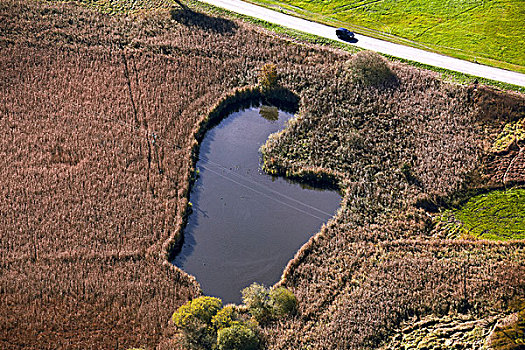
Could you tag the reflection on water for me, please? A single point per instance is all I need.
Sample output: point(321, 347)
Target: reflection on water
point(269, 112)
point(246, 225)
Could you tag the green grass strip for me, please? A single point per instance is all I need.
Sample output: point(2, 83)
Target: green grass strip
point(497, 215)
point(489, 32)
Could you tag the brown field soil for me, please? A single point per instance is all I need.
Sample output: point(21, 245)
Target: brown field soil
point(98, 115)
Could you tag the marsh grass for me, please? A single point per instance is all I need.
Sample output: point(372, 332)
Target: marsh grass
point(510, 334)
point(126, 6)
point(386, 148)
point(513, 134)
point(101, 117)
point(447, 332)
point(497, 215)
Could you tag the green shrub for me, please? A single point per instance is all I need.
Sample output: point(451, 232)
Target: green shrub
point(225, 318)
point(513, 132)
point(257, 298)
point(370, 69)
point(202, 309)
point(283, 301)
point(193, 319)
point(265, 305)
point(237, 337)
point(268, 76)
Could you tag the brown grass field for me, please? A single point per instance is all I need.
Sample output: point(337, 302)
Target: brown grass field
point(98, 115)
point(378, 262)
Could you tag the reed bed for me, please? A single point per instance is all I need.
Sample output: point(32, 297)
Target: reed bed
point(400, 152)
point(100, 115)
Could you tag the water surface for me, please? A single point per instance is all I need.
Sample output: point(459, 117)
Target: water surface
point(246, 225)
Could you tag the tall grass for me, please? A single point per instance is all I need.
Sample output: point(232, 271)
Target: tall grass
point(100, 117)
point(377, 262)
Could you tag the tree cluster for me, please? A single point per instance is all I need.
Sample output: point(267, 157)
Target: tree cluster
point(203, 323)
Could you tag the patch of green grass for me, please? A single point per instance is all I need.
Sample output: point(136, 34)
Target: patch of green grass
point(512, 132)
point(484, 31)
point(497, 215)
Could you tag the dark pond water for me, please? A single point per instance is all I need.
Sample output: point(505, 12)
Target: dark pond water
point(246, 225)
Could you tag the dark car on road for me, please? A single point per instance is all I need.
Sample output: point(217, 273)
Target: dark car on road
point(344, 34)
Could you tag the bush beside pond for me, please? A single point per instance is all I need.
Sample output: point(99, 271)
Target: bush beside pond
point(203, 323)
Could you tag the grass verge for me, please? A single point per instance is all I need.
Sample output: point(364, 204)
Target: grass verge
point(476, 30)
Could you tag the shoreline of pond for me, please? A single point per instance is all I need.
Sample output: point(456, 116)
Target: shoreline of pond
point(237, 100)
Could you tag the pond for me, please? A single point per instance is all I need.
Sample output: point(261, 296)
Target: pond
point(246, 225)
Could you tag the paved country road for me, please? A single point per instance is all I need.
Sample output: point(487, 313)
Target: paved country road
point(368, 43)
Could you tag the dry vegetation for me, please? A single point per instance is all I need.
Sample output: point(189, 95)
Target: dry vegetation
point(98, 115)
point(416, 144)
